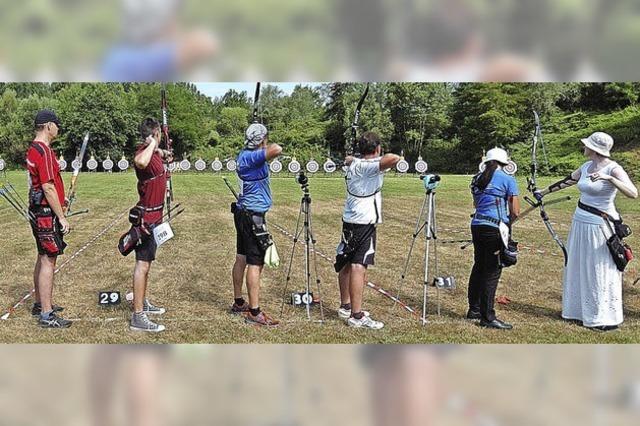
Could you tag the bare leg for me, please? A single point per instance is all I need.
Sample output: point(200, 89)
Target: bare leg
point(36, 275)
point(45, 281)
point(140, 277)
point(253, 285)
point(102, 377)
point(356, 286)
point(143, 368)
point(238, 275)
point(343, 282)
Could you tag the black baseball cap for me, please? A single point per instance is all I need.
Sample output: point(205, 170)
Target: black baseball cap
point(45, 116)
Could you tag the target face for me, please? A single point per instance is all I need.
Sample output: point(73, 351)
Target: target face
point(107, 164)
point(329, 166)
point(313, 166)
point(402, 166)
point(185, 165)
point(92, 164)
point(216, 165)
point(232, 165)
point(76, 164)
point(421, 166)
point(173, 166)
point(200, 165)
point(275, 166)
point(511, 168)
point(294, 166)
point(62, 163)
point(123, 164)
point(2, 164)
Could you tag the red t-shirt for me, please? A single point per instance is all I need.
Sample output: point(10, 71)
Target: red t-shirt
point(43, 167)
point(152, 186)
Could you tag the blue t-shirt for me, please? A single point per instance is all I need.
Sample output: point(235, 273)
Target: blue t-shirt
point(131, 62)
point(253, 171)
point(501, 188)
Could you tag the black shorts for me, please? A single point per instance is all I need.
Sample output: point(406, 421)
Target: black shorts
point(47, 232)
point(358, 246)
point(246, 242)
point(146, 250)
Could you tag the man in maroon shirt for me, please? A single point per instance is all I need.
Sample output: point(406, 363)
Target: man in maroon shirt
point(46, 200)
point(152, 188)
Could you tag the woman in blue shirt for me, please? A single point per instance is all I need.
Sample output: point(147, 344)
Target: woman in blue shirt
point(495, 197)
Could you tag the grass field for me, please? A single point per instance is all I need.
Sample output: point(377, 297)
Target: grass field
point(191, 277)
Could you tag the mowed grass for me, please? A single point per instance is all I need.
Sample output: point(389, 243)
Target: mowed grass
point(191, 276)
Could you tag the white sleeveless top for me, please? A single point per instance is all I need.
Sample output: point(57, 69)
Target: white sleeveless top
point(600, 194)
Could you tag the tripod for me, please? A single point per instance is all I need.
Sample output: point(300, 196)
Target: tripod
point(429, 225)
point(303, 226)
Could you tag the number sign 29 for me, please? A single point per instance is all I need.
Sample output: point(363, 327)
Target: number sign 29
point(108, 298)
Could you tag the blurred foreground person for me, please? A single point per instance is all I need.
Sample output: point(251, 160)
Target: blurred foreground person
point(592, 286)
point(362, 212)
point(49, 225)
point(153, 46)
point(495, 198)
point(249, 217)
point(152, 187)
point(138, 368)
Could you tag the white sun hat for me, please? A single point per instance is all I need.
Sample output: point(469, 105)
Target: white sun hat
point(497, 154)
point(599, 142)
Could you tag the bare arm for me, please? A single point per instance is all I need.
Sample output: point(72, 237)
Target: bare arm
point(620, 179)
point(388, 161)
point(348, 160)
point(52, 198)
point(273, 151)
point(143, 159)
point(514, 208)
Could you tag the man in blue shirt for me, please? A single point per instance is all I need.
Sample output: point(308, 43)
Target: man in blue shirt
point(249, 218)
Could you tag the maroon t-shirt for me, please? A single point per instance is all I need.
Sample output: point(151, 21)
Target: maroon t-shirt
point(152, 186)
point(43, 167)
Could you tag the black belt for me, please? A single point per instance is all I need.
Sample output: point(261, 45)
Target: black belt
point(487, 218)
point(595, 211)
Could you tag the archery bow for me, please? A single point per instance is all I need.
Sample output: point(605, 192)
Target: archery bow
point(167, 142)
point(351, 146)
point(74, 180)
point(256, 98)
point(533, 187)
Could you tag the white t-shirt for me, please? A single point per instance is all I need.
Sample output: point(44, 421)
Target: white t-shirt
point(364, 198)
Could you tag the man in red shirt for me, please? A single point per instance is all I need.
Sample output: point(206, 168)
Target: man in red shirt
point(152, 188)
point(46, 198)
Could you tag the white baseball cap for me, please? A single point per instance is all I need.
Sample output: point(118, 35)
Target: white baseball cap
point(254, 135)
point(599, 142)
point(497, 154)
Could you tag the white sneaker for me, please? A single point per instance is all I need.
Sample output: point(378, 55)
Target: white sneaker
point(345, 314)
point(365, 322)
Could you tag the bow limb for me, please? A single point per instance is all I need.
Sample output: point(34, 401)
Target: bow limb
point(168, 145)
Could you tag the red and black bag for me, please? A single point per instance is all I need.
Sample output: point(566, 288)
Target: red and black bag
point(47, 232)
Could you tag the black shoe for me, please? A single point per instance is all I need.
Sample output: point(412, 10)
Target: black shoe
point(496, 323)
point(604, 328)
point(473, 315)
point(54, 321)
point(36, 310)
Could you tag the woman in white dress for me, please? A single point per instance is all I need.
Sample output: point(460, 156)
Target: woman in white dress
point(592, 286)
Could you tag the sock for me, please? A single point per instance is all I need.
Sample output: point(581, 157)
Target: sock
point(255, 311)
point(239, 301)
point(358, 315)
point(346, 306)
point(37, 304)
point(45, 315)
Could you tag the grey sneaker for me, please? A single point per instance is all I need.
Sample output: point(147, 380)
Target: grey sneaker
point(150, 308)
point(36, 310)
point(365, 322)
point(141, 322)
point(54, 321)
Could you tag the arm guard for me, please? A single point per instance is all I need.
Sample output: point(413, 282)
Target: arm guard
point(562, 184)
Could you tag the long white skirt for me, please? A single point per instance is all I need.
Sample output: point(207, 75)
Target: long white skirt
point(592, 289)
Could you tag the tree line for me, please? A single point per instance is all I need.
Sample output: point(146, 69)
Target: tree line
point(449, 125)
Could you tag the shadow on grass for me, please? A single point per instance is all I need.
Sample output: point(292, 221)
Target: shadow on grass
point(536, 311)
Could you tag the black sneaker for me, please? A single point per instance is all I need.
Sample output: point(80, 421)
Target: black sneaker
point(54, 321)
point(36, 310)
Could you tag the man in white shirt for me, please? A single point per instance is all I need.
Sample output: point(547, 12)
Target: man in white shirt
point(362, 212)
